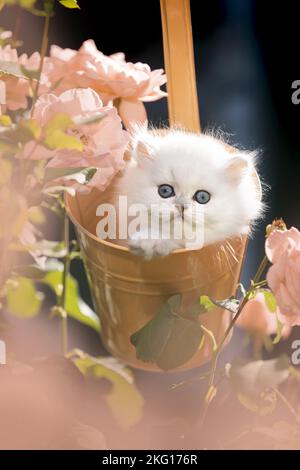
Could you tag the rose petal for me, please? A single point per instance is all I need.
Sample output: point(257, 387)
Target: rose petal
point(132, 112)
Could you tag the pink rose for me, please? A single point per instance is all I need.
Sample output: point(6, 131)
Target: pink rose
point(5, 36)
point(28, 236)
point(110, 76)
point(256, 317)
point(16, 90)
point(104, 141)
point(283, 251)
point(32, 63)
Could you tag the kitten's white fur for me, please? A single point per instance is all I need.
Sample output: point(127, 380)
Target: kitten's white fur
point(190, 162)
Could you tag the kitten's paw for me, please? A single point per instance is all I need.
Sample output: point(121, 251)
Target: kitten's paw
point(149, 249)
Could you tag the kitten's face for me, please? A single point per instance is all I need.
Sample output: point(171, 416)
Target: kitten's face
point(195, 179)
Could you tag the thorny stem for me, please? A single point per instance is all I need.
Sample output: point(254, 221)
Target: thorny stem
point(210, 387)
point(62, 299)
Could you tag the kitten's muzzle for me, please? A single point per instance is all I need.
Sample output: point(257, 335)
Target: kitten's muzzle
point(181, 206)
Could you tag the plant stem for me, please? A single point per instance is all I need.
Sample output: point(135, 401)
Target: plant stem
point(17, 25)
point(260, 270)
point(62, 300)
point(45, 40)
point(216, 353)
point(261, 283)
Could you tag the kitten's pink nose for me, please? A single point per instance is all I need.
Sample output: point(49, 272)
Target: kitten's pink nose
point(181, 201)
point(180, 204)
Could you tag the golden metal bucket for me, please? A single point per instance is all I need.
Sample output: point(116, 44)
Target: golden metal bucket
point(128, 291)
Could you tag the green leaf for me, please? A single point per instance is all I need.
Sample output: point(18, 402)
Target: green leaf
point(88, 174)
point(54, 190)
point(75, 306)
point(69, 3)
point(54, 173)
point(206, 302)
point(124, 399)
point(17, 70)
point(56, 138)
point(26, 3)
point(29, 73)
point(23, 301)
point(11, 68)
point(83, 176)
point(5, 120)
point(175, 303)
point(59, 140)
point(270, 300)
point(168, 339)
point(230, 304)
point(193, 310)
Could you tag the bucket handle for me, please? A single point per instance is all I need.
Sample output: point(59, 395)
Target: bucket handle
point(179, 64)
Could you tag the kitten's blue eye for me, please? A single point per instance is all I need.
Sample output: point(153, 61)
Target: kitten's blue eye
point(202, 196)
point(166, 190)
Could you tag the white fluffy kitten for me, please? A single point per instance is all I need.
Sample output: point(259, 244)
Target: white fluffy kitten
point(183, 174)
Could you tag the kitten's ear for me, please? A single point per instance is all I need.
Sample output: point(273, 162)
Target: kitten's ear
point(143, 150)
point(143, 144)
point(238, 166)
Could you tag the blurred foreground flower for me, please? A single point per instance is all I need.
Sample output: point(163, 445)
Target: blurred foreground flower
point(283, 251)
point(17, 75)
point(257, 318)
